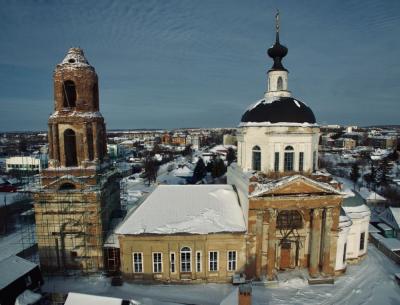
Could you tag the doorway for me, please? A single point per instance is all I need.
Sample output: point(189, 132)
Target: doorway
point(285, 255)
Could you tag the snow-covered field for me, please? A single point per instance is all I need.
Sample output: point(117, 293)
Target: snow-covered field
point(370, 282)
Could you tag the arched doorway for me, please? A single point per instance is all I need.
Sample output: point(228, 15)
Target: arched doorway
point(70, 148)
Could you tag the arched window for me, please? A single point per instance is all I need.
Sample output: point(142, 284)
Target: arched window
point(289, 220)
point(70, 148)
point(186, 254)
point(256, 160)
point(69, 93)
point(288, 159)
point(279, 84)
point(67, 186)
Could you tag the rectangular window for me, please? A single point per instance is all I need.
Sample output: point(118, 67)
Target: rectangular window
point(288, 162)
point(276, 164)
point(198, 261)
point(232, 260)
point(172, 262)
point(185, 261)
point(314, 161)
point(213, 260)
point(157, 262)
point(137, 262)
point(344, 252)
point(362, 241)
point(301, 161)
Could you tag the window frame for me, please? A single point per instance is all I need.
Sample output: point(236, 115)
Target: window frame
point(172, 262)
point(229, 262)
point(362, 241)
point(188, 263)
point(141, 262)
point(212, 261)
point(198, 259)
point(276, 161)
point(301, 161)
point(157, 264)
point(288, 159)
point(256, 162)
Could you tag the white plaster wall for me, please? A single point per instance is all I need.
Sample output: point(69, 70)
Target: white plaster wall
point(344, 229)
point(275, 139)
point(353, 240)
point(273, 81)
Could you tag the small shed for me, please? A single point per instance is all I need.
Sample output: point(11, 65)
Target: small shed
point(16, 276)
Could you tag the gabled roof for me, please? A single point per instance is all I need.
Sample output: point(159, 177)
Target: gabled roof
point(298, 185)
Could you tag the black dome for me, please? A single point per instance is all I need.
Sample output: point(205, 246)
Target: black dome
point(279, 110)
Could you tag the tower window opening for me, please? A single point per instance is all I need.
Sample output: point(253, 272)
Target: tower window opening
point(67, 186)
point(279, 84)
point(256, 161)
point(70, 148)
point(96, 96)
point(288, 159)
point(69, 93)
point(90, 143)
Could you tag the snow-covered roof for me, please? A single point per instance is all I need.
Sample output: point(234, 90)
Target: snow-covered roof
point(384, 227)
point(87, 299)
point(392, 244)
point(370, 195)
point(12, 268)
point(194, 209)
point(274, 184)
point(373, 229)
point(396, 214)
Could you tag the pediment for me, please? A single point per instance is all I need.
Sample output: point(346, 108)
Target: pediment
point(294, 185)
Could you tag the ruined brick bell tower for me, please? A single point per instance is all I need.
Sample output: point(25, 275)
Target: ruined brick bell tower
point(80, 189)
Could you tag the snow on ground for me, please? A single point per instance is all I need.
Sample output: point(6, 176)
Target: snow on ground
point(370, 282)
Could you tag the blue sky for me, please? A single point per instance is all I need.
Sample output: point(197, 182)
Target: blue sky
point(170, 64)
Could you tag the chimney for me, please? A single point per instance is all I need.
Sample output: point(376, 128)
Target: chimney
point(245, 294)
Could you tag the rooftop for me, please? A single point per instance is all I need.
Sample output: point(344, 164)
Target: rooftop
point(13, 268)
point(193, 209)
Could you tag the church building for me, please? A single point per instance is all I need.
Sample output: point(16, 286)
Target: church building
point(286, 214)
point(79, 190)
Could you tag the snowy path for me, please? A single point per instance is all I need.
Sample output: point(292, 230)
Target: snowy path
point(370, 282)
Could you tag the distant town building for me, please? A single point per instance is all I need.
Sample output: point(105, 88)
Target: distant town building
point(345, 143)
point(383, 142)
point(26, 163)
point(229, 139)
